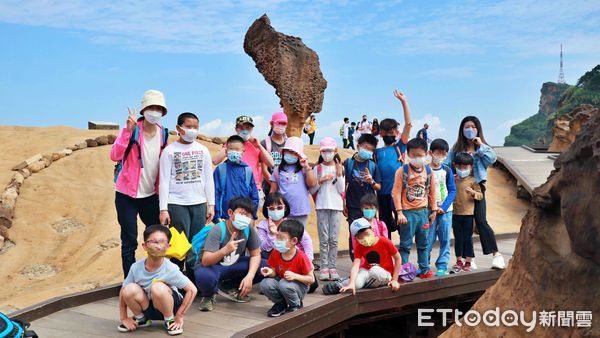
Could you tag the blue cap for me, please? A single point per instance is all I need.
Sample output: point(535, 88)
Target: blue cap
point(359, 225)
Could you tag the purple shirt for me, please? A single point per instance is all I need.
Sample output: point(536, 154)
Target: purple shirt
point(292, 186)
point(267, 240)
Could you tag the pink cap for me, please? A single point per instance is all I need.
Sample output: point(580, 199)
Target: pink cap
point(296, 145)
point(279, 117)
point(327, 143)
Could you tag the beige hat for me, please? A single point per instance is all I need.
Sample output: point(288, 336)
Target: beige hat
point(153, 98)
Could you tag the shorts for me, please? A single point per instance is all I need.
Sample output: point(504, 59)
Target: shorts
point(152, 313)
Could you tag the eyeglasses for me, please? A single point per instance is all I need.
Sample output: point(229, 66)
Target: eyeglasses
point(155, 242)
point(276, 207)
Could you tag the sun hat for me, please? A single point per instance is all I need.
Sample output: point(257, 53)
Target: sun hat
point(279, 117)
point(327, 143)
point(296, 145)
point(359, 225)
point(244, 119)
point(153, 98)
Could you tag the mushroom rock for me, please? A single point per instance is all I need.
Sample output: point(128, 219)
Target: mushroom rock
point(291, 68)
point(556, 263)
point(566, 127)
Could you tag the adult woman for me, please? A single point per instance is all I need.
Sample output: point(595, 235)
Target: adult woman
point(471, 140)
point(310, 128)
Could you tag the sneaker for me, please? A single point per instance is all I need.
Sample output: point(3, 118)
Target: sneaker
point(441, 272)
point(293, 308)
point(172, 332)
point(234, 295)
point(144, 322)
point(208, 303)
point(467, 267)
point(334, 274)
point(324, 274)
point(426, 275)
point(456, 268)
point(498, 262)
point(332, 288)
point(473, 265)
point(277, 310)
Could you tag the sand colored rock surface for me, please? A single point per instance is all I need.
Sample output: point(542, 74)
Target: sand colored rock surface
point(76, 195)
point(556, 265)
point(567, 127)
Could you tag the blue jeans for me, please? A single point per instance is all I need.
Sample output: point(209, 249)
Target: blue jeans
point(414, 228)
point(441, 227)
point(208, 277)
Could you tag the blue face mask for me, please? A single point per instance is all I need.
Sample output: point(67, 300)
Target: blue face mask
point(280, 246)
point(463, 173)
point(290, 159)
point(276, 215)
point(234, 156)
point(245, 134)
point(365, 154)
point(241, 222)
point(470, 133)
point(369, 213)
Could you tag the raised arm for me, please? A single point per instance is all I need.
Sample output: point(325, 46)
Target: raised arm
point(407, 119)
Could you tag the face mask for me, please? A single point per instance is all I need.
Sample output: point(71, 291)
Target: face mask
point(369, 213)
point(364, 118)
point(389, 139)
point(280, 246)
point(417, 161)
point(152, 116)
point(470, 133)
point(245, 134)
point(279, 129)
point(234, 156)
point(190, 134)
point(327, 156)
point(241, 222)
point(463, 173)
point(156, 253)
point(438, 160)
point(290, 159)
point(368, 240)
point(276, 215)
point(365, 154)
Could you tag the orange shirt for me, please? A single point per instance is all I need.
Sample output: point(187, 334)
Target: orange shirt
point(414, 196)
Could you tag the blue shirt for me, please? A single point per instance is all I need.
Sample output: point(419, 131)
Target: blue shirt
point(483, 157)
point(235, 185)
point(388, 163)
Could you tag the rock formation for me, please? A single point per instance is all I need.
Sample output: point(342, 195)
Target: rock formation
point(566, 127)
point(556, 264)
point(291, 68)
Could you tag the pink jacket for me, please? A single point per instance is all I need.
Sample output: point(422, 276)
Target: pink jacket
point(129, 178)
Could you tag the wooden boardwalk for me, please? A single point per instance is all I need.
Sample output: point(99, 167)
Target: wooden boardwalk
point(100, 318)
point(530, 168)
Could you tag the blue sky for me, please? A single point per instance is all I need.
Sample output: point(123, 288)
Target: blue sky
point(67, 62)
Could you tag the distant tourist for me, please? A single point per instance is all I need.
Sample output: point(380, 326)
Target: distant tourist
point(471, 140)
point(137, 150)
point(345, 132)
point(151, 289)
point(351, 133)
point(375, 127)
point(310, 127)
point(422, 133)
point(364, 126)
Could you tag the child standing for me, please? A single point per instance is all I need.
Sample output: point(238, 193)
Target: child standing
point(151, 288)
point(467, 192)
point(233, 178)
point(186, 188)
point(293, 178)
point(445, 193)
point(376, 262)
point(389, 158)
point(415, 203)
point(329, 206)
point(273, 143)
point(368, 204)
point(289, 273)
point(362, 177)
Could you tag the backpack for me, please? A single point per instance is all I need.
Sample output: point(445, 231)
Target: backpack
point(200, 237)
point(14, 329)
point(222, 168)
point(405, 177)
point(342, 130)
point(132, 140)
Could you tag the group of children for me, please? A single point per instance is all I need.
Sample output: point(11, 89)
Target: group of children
point(217, 211)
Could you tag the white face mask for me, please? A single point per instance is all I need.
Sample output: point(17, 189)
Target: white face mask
point(152, 116)
point(417, 161)
point(438, 160)
point(279, 129)
point(190, 134)
point(328, 156)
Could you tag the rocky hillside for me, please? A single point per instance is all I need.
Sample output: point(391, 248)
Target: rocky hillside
point(557, 103)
